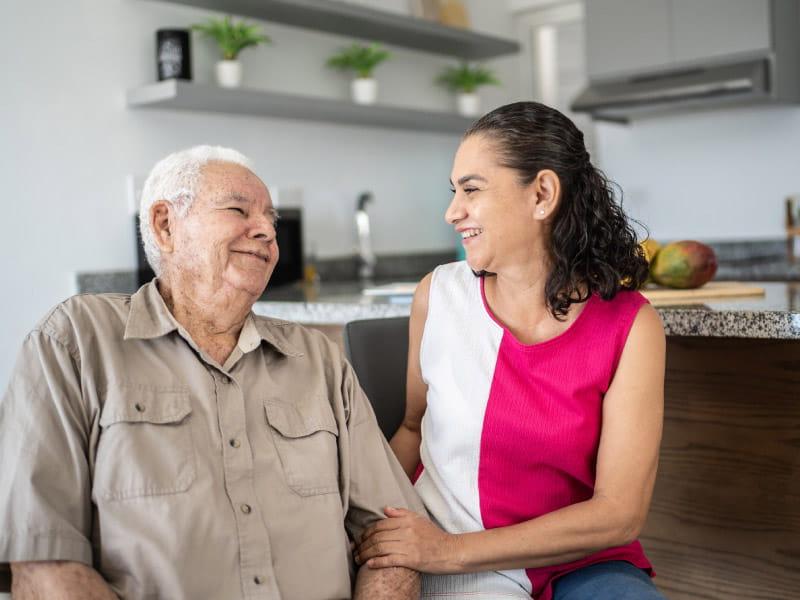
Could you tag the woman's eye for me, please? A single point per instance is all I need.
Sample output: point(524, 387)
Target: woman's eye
point(452, 190)
point(469, 190)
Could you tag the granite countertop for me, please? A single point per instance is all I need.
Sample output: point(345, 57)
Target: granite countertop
point(339, 299)
point(776, 315)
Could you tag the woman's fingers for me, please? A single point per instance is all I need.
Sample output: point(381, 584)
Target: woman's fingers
point(393, 560)
point(383, 525)
point(391, 511)
point(382, 537)
point(385, 548)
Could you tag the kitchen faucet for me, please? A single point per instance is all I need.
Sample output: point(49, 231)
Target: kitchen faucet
point(366, 258)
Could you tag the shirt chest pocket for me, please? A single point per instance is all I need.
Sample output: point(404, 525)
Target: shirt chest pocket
point(145, 446)
point(305, 436)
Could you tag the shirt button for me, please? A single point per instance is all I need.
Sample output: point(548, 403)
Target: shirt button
point(235, 443)
point(246, 509)
point(139, 407)
point(258, 580)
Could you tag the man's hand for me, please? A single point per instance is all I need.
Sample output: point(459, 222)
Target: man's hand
point(57, 580)
point(406, 539)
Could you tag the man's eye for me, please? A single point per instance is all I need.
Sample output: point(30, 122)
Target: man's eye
point(237, 209)
point(469, 190)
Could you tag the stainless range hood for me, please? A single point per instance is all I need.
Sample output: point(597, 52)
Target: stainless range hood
point(637, 96)
point(667, 56)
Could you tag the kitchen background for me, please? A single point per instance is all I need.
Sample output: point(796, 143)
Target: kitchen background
point(73, 153)
point(69, 144)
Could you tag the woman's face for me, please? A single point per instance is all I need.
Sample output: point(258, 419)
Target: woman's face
point(493, 212)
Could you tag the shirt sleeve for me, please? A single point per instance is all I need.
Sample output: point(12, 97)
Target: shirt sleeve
point(376, 477)
point(45, 489)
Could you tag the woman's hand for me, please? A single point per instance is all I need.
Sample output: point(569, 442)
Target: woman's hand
point(406, 539)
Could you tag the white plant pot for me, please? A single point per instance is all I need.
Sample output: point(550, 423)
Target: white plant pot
point(364, 90)
point(229, 73)
point(469, 105)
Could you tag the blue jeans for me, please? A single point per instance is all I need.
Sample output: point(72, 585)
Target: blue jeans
point(612, 580)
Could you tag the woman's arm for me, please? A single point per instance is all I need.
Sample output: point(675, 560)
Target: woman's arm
point(406, 441)
point(626, 469)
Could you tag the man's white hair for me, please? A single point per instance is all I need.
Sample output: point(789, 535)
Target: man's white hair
point(175, 179)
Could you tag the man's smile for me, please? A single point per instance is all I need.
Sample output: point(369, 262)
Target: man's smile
point(261, 256)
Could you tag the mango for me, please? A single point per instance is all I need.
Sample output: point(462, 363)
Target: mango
point(651, 248)
point(685, 264)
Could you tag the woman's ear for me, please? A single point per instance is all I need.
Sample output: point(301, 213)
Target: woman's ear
point(162, 217)
point(547, 192)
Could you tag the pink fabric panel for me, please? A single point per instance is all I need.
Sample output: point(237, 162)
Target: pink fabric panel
point(418, 472)
point(541, 428)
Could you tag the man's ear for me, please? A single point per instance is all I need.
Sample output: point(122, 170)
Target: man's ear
point(547, 192)
point(162, 222)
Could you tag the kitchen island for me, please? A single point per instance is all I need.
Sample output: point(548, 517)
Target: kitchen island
point(725, 517)
point(776, 315)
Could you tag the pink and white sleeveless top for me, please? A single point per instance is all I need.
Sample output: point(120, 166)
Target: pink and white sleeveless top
point(511, 431)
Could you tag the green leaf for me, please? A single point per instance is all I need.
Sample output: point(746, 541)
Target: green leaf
point(466, 78)
point(231, 37)
point(358, 58)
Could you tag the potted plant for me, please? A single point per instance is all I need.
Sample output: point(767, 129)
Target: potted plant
point(464, 80)
point(362, 60)
point(231, 38)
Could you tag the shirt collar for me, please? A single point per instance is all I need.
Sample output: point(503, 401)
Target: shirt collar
point(150, 318)
point(272, 332)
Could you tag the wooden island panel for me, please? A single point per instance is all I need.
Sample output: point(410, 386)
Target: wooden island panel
point(725, 518)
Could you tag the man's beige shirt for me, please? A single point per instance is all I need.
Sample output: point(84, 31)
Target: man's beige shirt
point(125, 447)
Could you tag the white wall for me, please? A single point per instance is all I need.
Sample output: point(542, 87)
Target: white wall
point(708, 176)
point(67, 142)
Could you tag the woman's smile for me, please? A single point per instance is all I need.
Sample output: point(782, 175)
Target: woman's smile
point(469, 235)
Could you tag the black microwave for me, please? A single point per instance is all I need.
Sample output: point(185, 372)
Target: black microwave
point(290, 243)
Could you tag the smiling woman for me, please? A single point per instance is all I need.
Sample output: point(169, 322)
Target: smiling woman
point(535, 381)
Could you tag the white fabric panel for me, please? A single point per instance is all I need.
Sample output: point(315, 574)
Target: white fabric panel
point(457, 357)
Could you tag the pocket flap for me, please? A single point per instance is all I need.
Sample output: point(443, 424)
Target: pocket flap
point(295, 421)
point(145, 405)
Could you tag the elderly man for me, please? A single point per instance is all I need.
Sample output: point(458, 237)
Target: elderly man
point(171, 444)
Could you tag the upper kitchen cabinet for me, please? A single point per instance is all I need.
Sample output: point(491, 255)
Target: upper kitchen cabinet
point(624, 36)
point(653, 57)
point(366, 23)
point(704, 29)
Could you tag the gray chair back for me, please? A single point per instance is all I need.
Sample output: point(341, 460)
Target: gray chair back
point(378, 351)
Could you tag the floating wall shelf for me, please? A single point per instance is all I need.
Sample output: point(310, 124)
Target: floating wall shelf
point(183, 95)
point(366, 23)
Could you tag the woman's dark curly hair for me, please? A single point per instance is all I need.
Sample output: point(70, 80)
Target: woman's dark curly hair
point(592, 243)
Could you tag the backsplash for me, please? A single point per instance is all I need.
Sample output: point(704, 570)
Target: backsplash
point(748, 260)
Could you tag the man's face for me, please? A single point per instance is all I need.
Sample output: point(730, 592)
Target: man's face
point(227, 239)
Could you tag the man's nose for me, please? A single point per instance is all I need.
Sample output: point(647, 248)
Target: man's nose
point(262, 228)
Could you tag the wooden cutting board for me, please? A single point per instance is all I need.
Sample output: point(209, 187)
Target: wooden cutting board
point(713, 290)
